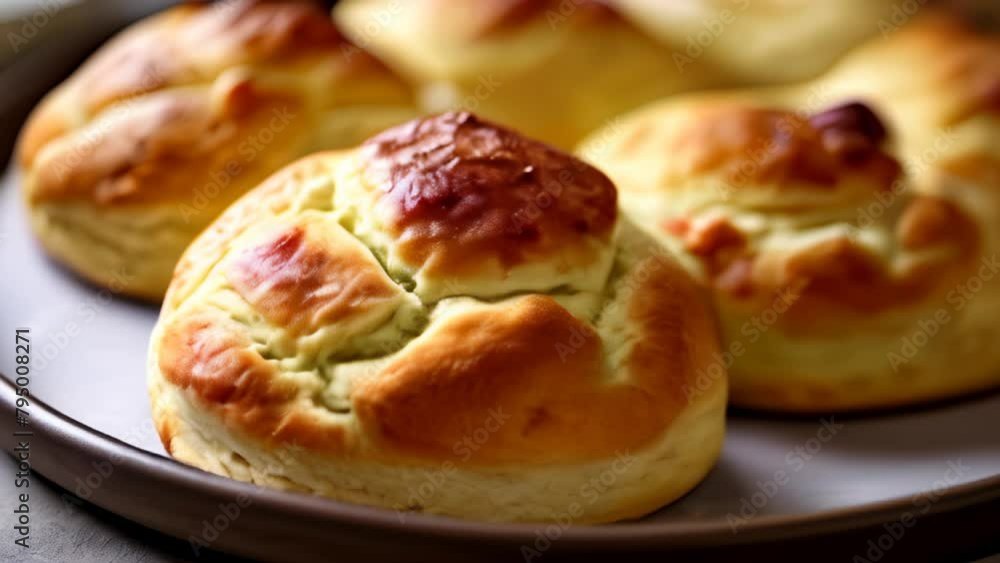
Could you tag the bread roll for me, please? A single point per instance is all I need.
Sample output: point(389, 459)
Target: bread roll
point(552, 70)
point(180, 114)
point(937, 81)
point(838, 283)
point(557, 69)
point(450, 300)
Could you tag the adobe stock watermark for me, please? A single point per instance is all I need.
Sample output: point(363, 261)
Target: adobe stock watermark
point(463, 450)
point(363, 34)
point(958, 298)
point(561, 13)
point(876, 548)
point(711, 30)
point(764, 151)
point(635, 278)
point(58, 339)
point(545, 198)
point(249, 149)
point(795, 460)
point(486, 86)
point(228, 512)
point(86, 485)
point(901, 13)
point(588, 493)
point(98, 129)
point(882, 201)
point(610, 132)
point(753, 330)
point(32, 24)
point(553, 189)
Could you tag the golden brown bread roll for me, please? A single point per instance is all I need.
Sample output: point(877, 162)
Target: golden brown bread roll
point(550, 75)
point(557, 69)
point(850, 245)
point(451, 299)
point(179, 115)
point(847, 228)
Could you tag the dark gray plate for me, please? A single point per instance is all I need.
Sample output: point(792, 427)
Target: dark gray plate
point(88, 366)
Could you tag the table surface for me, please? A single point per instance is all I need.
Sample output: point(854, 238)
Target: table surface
point(62, 531)
point(15, 9)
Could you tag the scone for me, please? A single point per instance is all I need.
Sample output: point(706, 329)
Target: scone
point(450, 319)
point(837, 283)
point(128, 160)
point(557, 69)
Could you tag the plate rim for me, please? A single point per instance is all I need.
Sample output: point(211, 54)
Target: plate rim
point(91, 443)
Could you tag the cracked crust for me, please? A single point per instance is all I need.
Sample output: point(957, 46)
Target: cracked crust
point(284, 324)
point(459, 193)
point(181, 114)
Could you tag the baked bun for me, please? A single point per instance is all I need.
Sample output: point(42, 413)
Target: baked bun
point(176, 117)
point(553, 70)
point(557, 69)
point(449, 299)
point(838, 285)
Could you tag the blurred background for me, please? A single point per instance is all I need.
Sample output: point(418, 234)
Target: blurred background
point(42, 42)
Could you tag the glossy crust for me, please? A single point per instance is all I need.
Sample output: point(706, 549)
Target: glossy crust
point(840, 270)
point(179, 115)
point(306, 320)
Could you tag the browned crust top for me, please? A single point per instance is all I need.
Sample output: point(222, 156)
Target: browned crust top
point(457, 187)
